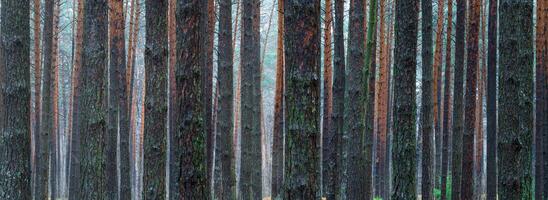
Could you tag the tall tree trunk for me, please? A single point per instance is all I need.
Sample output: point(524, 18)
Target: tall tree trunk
point(330, 143)
point(251, 176)
point(427, 109)
point(89, 124)
point(226, 104)
point(492, 101)
point(188, 165)
point(156, 69)
point(478, 137)
point(46, 120)
point(54, 89)
point(302, 56)
point(37, 87)
point(447, 101)
point(208, 89)
point(356, 103)
point(472, 64)
point(541, 113)
point(437, 100)
point(15, 169)
point(381, 168)
point(515, 99)
point(458, 109)
point(404, 146)
point(278, 132)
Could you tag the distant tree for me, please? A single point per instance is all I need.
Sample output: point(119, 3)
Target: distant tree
point(470, 102)
point(491, 164)
point(88, 161)
point(458, 102)
point(278, 132)
point(515, 122)
point(302, 64)
point(404, 147)
point(156, 70)
point(15, 179)
point(427, 107)
point(447, 101)
point(188, 173)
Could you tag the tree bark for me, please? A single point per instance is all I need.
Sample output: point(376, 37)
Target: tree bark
point(37, 86)
point(404, 147)
point(278, 132)
point(447, 101)
point(251, 177)
point(226, 103)
point(188, 162)
point(541, 116)
point(156, 70)
point(470, 102)
point(492, 102)
point(15, 169)
point(89, 123)
point(515, 100)
point(302, 56)
point(208, 89)
point(427, 108)
point(437, 99)
point(458, 110)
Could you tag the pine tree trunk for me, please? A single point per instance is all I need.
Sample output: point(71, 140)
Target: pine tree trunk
point(208, 89)
point(437, 99)
point(427, 108)
point(381, 141)
point(404, 147)
point(188, 162)
point(356, 105)
point(251, 177)
point(15, 180)
point(447, 102)
point(278, 132)
point(37, 86)
point(226, 104)
point(541, 117)
point(492, 102)
point(46, 120)
point(302, 56)
point(515, 100)
point(156, 69)
point(458, 109)
point(470, 102)
point(89, 123)
point(54, 89)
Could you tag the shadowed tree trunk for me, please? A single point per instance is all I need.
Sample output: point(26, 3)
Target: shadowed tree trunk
point(46, 117)
point(15, 169)
point(89, 124)
point(458, 102)
point(188, 162)
point(302, 59)
point(54, 90)
point(515, 128)
point(156, 69)
point(447, 101)
point(427, 109)
point(541, 124)
point(437, 99)
point(208, 89)
point(37, 87)
point(226, 103)
point(355, 116)
point(492, 101)
point(278, 132)
point(470, 102)
point(404, 147)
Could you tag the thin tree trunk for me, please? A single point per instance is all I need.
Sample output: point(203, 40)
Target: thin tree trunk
point(458, 110)
point(427, 108)
point(541, 115)
point(470, 103)
point(278, 132)
point(89, 123)
point(437, 100)
point(208, 89)
point(447, 101)
point(302, 56)
point(15, 179)
point(516, 100)
point(478, 154)
point(37, 87)
point(225, 113)
point(54, 87)
point(492, 102)
point(188, 162)
point(156, 70)
point(404, 147)
point(381, 107)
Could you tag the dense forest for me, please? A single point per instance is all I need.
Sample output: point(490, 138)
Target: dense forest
point(274, 99)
